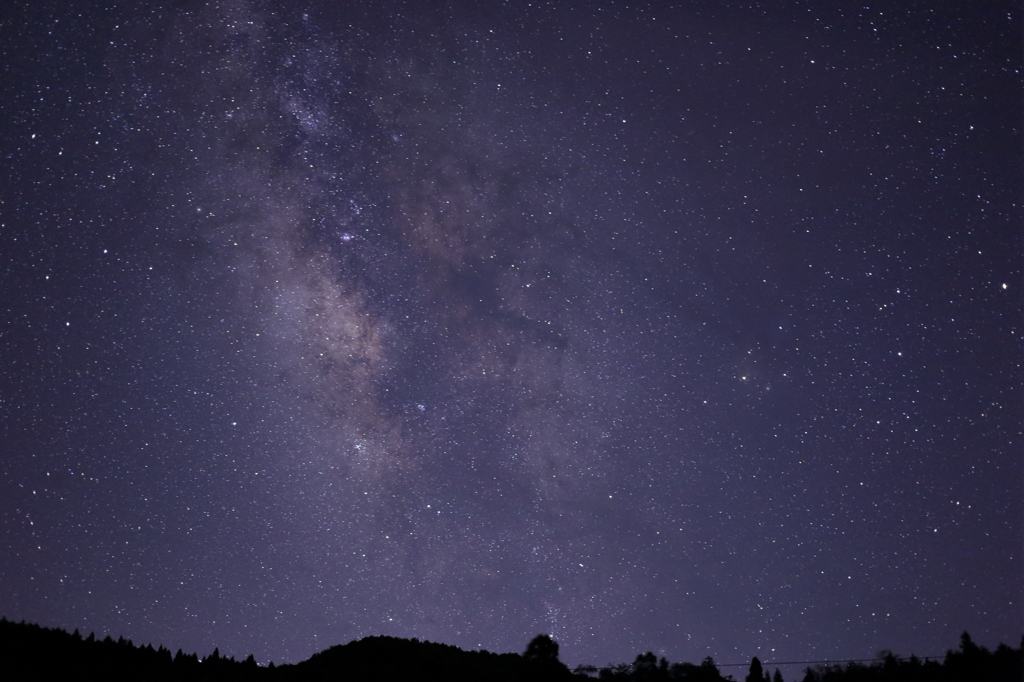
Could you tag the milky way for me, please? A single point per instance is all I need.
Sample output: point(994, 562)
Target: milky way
point(649, 329)
point(406, 282)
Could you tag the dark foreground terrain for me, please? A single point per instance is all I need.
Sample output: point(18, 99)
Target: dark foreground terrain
point(31, 652)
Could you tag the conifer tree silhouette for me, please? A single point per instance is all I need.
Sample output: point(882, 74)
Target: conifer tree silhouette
point(756, 673)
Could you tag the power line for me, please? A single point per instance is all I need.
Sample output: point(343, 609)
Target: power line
point(844, 660)
point(837, 660)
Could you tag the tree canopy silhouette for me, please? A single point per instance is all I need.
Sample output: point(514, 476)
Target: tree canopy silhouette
point(31, 652)
point(541, 649)
point(541, 656)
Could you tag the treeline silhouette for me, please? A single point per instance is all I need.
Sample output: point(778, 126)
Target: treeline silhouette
point(32, 652)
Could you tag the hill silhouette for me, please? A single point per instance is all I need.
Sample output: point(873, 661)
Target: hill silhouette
point(32, 652)
point(392, 658)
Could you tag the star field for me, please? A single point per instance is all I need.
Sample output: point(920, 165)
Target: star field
point(685, 328)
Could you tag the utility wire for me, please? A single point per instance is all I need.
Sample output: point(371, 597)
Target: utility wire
point(845, 660)
point(837, 660)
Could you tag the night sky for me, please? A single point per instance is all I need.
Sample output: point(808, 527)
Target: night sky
point(687, 328)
